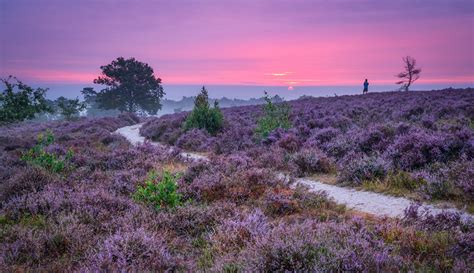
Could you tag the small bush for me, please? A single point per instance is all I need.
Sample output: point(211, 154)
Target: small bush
point(204, 117)
point(30, 179)
point(437, 185)
point(416, 150)
point(290, 142)
point(279, 202)
point(137, 250)
point(193, 140)
point(160, 194)
point(422, 219)
point(319, 247)
point(236, 232)
point(363, 169)
point(275, 116)
point(166, 129)
point(49, 160)
point(318, 201)
point(310, 161)
point(236, 138)
point(194, 220)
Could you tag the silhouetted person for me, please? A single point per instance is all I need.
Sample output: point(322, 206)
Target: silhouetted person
point(366, 86)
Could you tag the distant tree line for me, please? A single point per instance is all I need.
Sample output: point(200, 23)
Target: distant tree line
point(130, 86)
point(187, 103)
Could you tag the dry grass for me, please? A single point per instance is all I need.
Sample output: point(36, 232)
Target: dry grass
point(330, 179)
point(174, 167)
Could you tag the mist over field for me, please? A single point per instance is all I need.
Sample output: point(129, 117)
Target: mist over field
point(245, 92)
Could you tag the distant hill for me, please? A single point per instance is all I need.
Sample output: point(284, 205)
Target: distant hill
point(187, 103)
point(168, 107)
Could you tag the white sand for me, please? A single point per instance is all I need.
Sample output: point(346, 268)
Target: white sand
point(373, 203)
point(368, 202)
point(132, 134)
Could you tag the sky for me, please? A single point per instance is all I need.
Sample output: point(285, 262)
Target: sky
point(291, 44)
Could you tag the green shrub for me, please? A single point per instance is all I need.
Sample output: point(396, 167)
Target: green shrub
point(19, 101)
point(275, 116)
point(203, 116)
point(160, 194)
point(361, 170)
point(50, 161)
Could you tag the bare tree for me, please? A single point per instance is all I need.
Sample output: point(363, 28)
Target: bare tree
point(410, 75)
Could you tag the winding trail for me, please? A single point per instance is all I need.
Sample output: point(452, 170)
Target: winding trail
point(364, 201)
point(132, 134)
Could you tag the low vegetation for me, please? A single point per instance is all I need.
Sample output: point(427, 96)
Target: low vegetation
point(160, 194)
point(274, 116)
point(55, 161)
point(138, 208)
point(203, 116)
point(417, 144)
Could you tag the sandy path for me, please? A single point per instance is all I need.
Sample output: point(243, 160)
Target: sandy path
point(368, 202)
point(132, 134)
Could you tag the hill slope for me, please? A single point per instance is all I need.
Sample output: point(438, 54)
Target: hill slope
point(419, 144)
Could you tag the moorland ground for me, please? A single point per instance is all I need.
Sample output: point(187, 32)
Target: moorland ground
point(417, 144)
point(81, 198)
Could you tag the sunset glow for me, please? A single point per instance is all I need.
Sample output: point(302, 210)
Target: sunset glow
point(287, 43)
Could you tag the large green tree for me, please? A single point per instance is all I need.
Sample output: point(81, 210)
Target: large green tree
point(131, 86)
point(19, 101)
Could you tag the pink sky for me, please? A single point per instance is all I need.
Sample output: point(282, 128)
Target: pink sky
point(288, 43)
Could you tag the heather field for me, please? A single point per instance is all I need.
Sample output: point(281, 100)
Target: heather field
point(75, 197)
point(417, 144)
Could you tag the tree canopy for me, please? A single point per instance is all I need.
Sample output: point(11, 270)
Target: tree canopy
point(19, 101)
point(131, 87)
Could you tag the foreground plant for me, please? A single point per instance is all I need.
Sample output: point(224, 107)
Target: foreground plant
point(159, 193)
point(275, 116)
point(48, 160)
point(242, 217)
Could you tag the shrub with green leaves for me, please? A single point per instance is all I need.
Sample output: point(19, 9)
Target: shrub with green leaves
point(275, 116)
point(203, 116)
point(19, 101)
point(159, 193)
point(50, 161)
